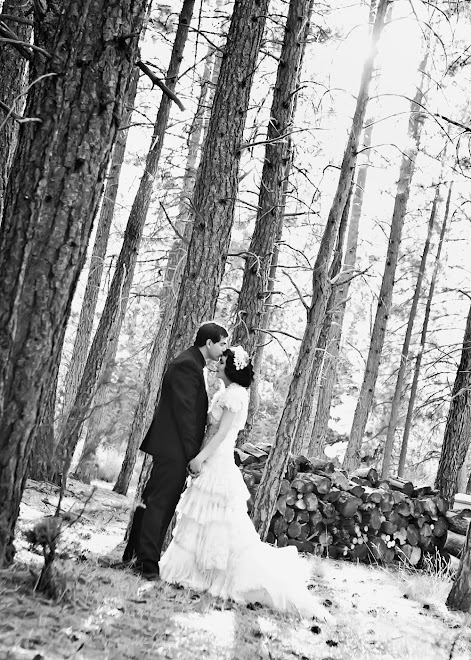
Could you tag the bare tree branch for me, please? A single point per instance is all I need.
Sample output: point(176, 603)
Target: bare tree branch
point(211, 43)
point(298, 291)
point(20, 45)
point(6, 33)
point(11, 113)
point(338, 279)
point(248, 145)
point(18, 118)
point(15, 19)
point(467, 129)
point(182, 238)
point(156, 81)
point(278, 332)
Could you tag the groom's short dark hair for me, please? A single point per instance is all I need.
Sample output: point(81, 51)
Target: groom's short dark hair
point(210, 330)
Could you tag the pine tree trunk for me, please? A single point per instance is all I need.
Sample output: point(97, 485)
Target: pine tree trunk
point(318, 432)
point(173, 275)
point(86, 468)
point(301, 440)
point(45, 445)
point(276, 464)
point(276, 166)
point(353, 454)
point(217, 177)
point(41, 464)
point(423, 337)
point(52, 196)
point(324, 375)
point(97, 260)
point(253, 304)
point(105, 342)
point(397, 397)
point(12, 81)
point(458, 423)
point(464, 476)
point(40, 458)
point(459, 597)
point(257, 355)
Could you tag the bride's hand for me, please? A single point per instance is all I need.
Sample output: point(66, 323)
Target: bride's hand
point(194, 466)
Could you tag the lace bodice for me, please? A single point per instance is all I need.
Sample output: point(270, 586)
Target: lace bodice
point(236, 399)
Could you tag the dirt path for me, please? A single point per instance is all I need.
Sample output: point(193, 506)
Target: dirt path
point(106, 614)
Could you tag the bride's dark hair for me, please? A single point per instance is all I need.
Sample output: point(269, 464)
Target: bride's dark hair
point(243, 377)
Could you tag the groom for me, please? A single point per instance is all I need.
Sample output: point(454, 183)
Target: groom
point(173, 439)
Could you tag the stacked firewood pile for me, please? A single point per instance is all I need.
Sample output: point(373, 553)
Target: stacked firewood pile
point(458, 522)
point(320, 509)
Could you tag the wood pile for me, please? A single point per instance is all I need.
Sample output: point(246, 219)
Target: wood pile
point(320, 509)
point(458, 522)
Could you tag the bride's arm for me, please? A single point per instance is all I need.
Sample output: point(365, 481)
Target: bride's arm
point(227, 420)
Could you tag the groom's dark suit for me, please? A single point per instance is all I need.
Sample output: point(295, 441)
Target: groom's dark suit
point(173, 439)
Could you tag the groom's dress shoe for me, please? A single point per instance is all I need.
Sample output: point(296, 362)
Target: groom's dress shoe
point(151, 577)
point(107, 562)
point(146, 571)
point(121, 565)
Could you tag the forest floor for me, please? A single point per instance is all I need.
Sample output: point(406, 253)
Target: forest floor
point(105, 614)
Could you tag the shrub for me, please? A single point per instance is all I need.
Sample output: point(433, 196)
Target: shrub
point(109, 462)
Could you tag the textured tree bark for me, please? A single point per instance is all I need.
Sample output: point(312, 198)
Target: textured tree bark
point(41, 458)
point(458, 423)
point(104, 345)
point(43, 444)
point(97, 260)
point(396, 401)
point(46, 463)
point(353, 454)
point(459, 597)
point(276, 464)
point(52, 196)
point(12, 82)
point(423, 337)
point(173, 275)
point(464, 477)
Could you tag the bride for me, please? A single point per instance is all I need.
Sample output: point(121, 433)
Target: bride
point(215, 547)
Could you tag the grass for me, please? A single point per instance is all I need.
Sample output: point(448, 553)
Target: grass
point(112, 615)
point(429, 585)
point(105, 614)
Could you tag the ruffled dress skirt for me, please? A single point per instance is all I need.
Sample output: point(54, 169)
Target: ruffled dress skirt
point(216, 549)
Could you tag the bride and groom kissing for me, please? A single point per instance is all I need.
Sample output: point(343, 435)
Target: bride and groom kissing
point(215, 547)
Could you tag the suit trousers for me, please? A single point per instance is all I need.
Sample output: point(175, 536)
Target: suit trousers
point(160, 497)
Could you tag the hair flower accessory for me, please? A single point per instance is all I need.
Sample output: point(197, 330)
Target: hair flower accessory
point(241, 357)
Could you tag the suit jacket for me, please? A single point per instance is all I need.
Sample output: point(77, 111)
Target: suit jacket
point(179, 421)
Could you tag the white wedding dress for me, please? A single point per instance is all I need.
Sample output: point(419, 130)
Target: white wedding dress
point(215, 547)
